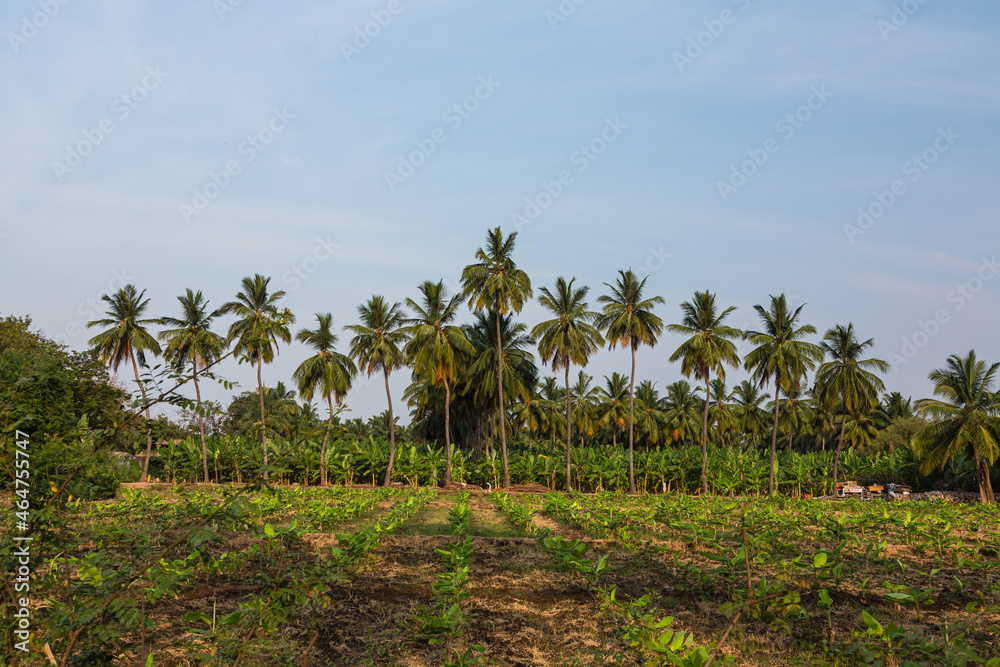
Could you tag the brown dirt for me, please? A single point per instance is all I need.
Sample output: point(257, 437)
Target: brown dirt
point(533, 487)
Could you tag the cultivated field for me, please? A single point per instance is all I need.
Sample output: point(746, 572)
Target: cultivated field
point(406, 576)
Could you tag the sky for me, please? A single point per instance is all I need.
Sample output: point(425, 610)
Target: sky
point(844, 154)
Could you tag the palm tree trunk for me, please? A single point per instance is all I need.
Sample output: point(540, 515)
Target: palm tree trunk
point(774, 439)
point(631, 421)
point(392, 434)
point(704, 438)
point(447, 431)
point(983, 477)
point(263, 429)
point(569, 401)
point(322, 449)
point(503, 430)
point(201, 426)
point(149, 429)
point(836, 457)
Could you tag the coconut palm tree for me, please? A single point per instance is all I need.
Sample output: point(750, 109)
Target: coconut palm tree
point(438, 349)
point(797, 413)
point(752, 417)
point(127, 339)
point(613, 404)
point(256, 332)
point(848, 379)
point(495, 283)
point(649, 421)
point(518, 364)
point(682, 411)
point(781, 356)
point(897, 407)
point(328, 371)
point(191, 341)
point(964, 418)
point(533, 412)
point(585, 401)
point(551, 397)
point(824, 419)
point(377, 346)
point(709, 348)
point(569, 338)
point(628, 319)
point(723, 409)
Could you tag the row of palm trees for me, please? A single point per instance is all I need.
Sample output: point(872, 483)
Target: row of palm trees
point(493, 352)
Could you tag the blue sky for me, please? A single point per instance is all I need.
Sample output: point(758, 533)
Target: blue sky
point(723, 145)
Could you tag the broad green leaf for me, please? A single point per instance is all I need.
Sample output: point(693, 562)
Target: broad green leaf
point(873, 626)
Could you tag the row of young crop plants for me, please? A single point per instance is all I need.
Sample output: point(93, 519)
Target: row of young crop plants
point(131, 559)
point(782, 564)
point(786, 564)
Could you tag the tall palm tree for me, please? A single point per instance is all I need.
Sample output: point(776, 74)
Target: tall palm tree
point(613, 397)
point(569, 338)
point(437, 347)
point(256, 332)
point(191, 341)
point(376, 346)
point(709, 348)
point(848, 379)
point(328, 371)
point(495, 283)
point(628, 319)
point(782, 356)
point(964, 419)
point(127, 339)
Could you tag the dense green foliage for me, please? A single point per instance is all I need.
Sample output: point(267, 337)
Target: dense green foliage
point(60, 400)
point(731, 471)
